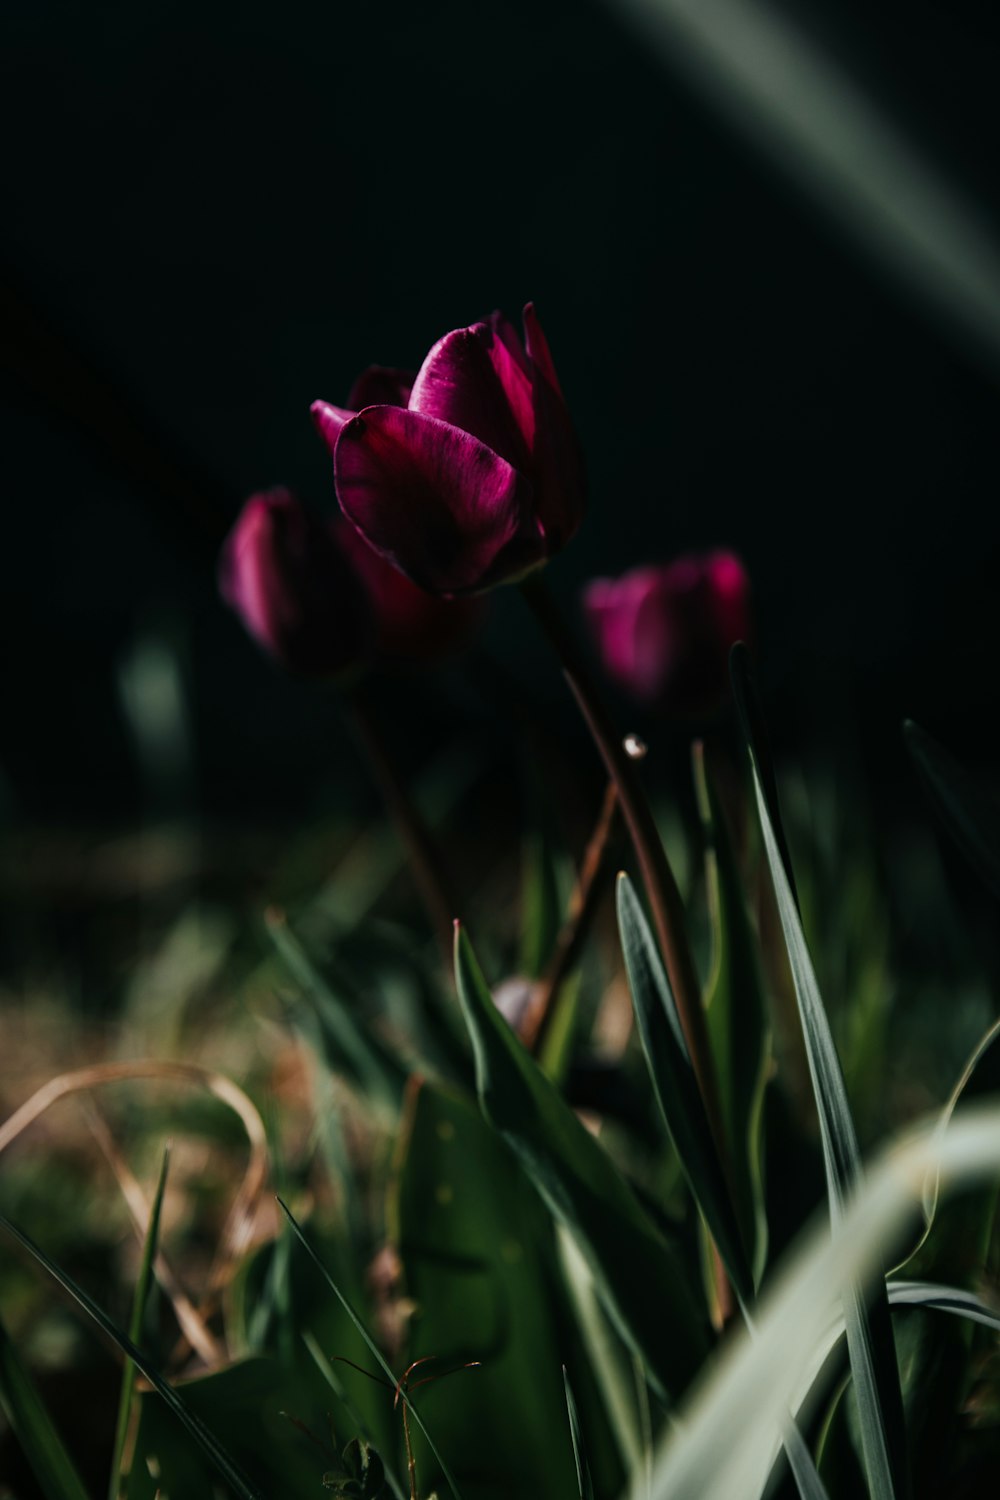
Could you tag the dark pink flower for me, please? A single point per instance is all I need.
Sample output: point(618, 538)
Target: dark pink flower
point(664, 633)
point(319, 600)
point(295, 589)
point(471, 478)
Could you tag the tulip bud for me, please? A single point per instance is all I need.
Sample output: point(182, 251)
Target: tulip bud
point(295, 589)
point(664, 633)
point(477, 479)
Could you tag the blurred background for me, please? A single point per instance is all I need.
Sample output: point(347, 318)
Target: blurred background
point(761, 240)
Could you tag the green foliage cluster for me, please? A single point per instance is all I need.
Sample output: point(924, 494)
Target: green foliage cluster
point(553, 1278)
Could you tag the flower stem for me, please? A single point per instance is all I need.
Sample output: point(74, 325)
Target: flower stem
point(582, 906)
point(413, 833)
point(665, 902)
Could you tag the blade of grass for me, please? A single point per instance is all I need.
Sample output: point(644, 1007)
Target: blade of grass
point(372, 1345)
point(759, 1380)
point(676, 1087)
point(192, 1424)
point(583, 1478)
point(869, 1333)
point(139, 1300)
point(33, 1427)
point(738, 1024)
point(950, 1299)
point(966, 808)
point(637, 1272)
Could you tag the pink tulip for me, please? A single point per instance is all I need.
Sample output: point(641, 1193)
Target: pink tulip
point(473, 476)
point(320, 601)
point(664, 633)
point(295, 589)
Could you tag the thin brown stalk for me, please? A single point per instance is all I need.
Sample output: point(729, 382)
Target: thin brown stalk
point(413, 834)
point(239, 1224)
point(665, 902)
point(572, 935)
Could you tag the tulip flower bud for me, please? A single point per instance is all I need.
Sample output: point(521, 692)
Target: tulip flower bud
point(295, 589)
point(473, 476)
point(664, 633)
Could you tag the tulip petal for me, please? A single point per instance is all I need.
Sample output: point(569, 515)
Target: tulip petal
point(294, 588)
point(538, 347)
point(458, 383)
point(443, 507)
point(514, 372)
point(557, 462)
point(330, 421)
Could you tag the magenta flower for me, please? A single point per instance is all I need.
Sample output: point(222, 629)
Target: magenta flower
point(294, 588)
point(664, 633)
point(320, 601)
point(472, 476)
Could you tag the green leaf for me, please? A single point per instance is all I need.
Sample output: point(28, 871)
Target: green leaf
point(33, 1428)
point(638, 1274)
point(583, 1479)
point(966, 808)
point(869, 1334)
point(373, 1347)
point(216, 1453)
point(475, 1243)
point(139, 1299)
point(737, 1018)
point(676, 1087)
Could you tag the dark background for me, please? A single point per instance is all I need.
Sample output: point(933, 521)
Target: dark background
point(216, 213)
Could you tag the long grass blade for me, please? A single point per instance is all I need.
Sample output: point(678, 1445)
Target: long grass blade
point(226, 1466)
point(373, 1347)
point(33, 1427)
point(139, 1299)
point(676, 1087)
point(760, 1379)
point(869, 1333)
point(583, 1479)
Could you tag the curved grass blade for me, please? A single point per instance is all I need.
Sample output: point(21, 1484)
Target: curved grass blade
point(869, 1333)
point(33, 1427)
point(226, 1466)
point(676, 1087)
point(759, 1379)
point(980, 1077)
point(638, 1274)
point(139, 1299)
point(966, 808)
point(738, 1024)
point(950, 1299)
point(373, 1347)
point(583, 1478)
